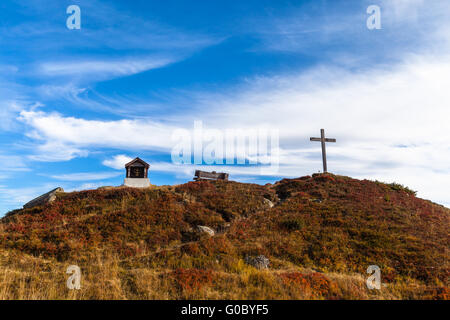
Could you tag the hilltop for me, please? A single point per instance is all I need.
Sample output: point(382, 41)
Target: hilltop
point(320, 233)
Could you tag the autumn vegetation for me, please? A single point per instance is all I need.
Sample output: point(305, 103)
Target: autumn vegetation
point(320, 236)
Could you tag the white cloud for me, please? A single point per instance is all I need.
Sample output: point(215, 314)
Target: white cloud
point(66, 90)
point(54, 150)
point(117, 162)
point(9, 107)
point(65, 137)
point(100, 69)
point(85, 176)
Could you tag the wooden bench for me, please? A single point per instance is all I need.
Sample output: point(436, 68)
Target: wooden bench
point(204, 175)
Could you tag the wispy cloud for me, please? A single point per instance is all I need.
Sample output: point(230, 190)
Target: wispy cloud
point(86, 176)
point(324, 30)
point(86, 186)
point(109, 28)
point(16, 197)
point(12, 163)
point(101, 69)
point(107, 47)
point(8, 112)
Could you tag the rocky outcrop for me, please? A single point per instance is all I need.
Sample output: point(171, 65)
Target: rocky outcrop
point(43, 199)
point(259, 262)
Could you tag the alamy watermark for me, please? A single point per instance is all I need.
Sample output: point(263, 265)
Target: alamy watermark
point(74, 20)
point(74, 281)
point(374, 20)
point(256, 146)
point(374, 280)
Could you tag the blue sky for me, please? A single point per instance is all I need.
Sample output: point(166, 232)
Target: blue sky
point(75, 105)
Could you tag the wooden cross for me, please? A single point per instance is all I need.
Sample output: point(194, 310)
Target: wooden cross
point(322, 139)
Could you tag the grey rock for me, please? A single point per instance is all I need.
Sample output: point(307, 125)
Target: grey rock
point(206, 230)
point(43, 199)
point(268, 203)
point(259, 262)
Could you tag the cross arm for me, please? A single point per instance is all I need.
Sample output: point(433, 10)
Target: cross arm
point(315, 139)
point(330, 140)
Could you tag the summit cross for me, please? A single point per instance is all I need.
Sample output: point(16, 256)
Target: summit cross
point(322, 139)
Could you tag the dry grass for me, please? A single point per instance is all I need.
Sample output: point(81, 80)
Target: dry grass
point(23, 277)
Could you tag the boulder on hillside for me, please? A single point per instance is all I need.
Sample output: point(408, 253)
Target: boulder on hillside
point(259, 262)
point(43, 199)
point(206, 230)
point(268, 203)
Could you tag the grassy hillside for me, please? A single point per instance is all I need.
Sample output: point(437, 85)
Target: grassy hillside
point(320, 236)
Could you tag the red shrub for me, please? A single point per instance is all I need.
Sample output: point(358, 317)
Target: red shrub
point(317, 283)
point(192, 279)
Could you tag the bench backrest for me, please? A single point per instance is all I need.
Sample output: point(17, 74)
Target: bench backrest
point(210, 175)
